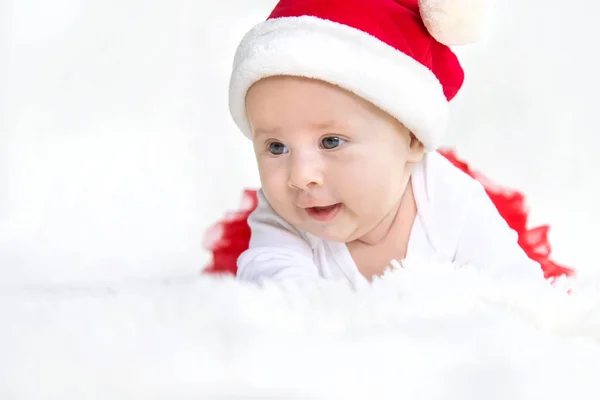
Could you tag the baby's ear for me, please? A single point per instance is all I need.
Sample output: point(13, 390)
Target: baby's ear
point(416, 149)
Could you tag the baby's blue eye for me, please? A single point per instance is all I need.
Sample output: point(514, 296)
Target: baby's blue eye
point(331, 142)
point(277, 148)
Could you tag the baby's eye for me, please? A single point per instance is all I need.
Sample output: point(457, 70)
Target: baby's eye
point(277, 148)
point(331, 142)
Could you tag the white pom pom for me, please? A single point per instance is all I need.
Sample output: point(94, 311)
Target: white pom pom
point(454, 22)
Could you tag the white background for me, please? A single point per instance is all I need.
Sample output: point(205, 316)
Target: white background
point(117, 151)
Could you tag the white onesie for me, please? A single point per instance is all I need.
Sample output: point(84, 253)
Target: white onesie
point(456, 221)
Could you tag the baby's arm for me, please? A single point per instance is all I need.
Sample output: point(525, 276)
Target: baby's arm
point(277, 251)
point(487, 241)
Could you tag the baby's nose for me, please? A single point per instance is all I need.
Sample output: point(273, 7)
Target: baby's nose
point(305, 172)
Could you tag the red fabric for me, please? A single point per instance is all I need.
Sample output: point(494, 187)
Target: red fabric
point(228, 238)
point(394, 22)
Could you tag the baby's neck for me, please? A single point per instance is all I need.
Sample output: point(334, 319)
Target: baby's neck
point(395, 222)
point(389, 241)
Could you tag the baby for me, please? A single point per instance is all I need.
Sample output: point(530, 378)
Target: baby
point(346, 103)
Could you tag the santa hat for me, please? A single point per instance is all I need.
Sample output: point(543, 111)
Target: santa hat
point(393, 53)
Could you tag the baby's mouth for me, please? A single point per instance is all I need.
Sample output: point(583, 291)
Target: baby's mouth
point(325, 213)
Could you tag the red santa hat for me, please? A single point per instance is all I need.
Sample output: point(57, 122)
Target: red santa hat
point(393, 53)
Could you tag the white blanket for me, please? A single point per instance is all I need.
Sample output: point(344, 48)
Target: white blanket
point(419, 333)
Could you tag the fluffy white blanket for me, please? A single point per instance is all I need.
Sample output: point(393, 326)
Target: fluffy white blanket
point(418, 333)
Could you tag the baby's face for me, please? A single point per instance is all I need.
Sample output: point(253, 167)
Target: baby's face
point(330, 163)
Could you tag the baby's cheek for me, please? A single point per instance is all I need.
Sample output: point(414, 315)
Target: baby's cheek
point(368, 172)
point(271, 169)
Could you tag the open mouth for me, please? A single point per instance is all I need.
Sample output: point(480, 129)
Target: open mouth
point(324, 214)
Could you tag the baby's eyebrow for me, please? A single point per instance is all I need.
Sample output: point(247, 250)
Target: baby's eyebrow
point(324, 125)
point(277, 131)
point(267, 132)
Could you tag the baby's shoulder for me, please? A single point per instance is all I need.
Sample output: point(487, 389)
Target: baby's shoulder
point(445, 197)
point(447, 183)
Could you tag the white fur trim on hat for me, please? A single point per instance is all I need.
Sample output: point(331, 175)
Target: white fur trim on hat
point(347, 57)
point(454, 22)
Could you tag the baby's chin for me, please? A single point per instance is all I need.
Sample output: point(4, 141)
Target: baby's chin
point(337, 233)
